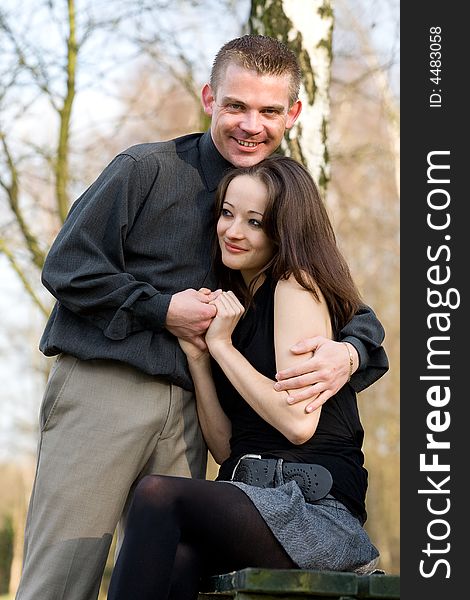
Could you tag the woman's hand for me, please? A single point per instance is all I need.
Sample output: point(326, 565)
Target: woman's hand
point(194, 348)
point(229, 311)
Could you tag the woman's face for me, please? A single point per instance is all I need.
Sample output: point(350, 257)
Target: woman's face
point(243, 242)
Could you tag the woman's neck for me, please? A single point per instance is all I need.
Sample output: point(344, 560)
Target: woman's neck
point(248, 278)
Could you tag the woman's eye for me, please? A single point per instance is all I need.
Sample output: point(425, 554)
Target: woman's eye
point(255, 223)
point(225, 212)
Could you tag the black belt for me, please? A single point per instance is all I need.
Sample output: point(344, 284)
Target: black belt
point(314, 481)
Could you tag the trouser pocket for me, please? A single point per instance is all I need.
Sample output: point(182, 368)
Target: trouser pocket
point(58, 377)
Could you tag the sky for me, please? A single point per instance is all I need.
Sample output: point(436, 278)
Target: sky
point(19, 401)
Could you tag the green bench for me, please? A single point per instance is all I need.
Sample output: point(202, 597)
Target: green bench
point(277, 584)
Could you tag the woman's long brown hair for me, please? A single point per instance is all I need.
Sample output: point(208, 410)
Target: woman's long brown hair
point(297, 222)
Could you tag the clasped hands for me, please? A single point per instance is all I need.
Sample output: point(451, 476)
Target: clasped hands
point(212, 320)
point(192, 319)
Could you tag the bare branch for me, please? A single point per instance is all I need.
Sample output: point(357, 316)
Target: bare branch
point(38, 71)
point(21, 274)
point(12, 191)
point(378, 73)
point(65, 112)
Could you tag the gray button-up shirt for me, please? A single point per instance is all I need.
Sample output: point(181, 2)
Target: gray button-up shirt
point(140, 233)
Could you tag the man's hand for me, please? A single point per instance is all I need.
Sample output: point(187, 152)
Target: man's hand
point(190, 313)
point(324, 374)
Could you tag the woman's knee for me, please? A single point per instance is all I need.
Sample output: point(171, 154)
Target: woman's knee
point(153, 491)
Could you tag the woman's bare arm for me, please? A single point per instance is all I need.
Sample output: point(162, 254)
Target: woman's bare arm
point(296, 313)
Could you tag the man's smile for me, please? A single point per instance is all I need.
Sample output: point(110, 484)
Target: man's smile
point(246, 144)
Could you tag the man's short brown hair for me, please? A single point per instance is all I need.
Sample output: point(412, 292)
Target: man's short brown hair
point(260, 53)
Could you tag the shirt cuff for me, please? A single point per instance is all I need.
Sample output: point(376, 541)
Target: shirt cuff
point(149, 313)
point(152, 312)
point(361, 351)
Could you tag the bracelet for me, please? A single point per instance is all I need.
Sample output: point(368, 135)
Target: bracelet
point(351, 362)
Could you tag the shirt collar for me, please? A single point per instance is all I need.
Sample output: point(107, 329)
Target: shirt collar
point(213, 164)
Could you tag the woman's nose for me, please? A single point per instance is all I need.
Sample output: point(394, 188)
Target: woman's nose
point(235, 230)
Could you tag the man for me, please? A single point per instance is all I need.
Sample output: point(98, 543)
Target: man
point(125, 270)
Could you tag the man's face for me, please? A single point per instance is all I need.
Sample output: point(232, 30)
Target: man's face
point(250, 114)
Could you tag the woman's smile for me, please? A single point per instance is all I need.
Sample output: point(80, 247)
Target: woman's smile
point(233, 248)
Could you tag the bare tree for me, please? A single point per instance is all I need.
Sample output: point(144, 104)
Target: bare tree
point(306, 28)
point(75, 48)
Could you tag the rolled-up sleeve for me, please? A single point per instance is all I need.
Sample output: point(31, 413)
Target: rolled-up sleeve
point(366, 334)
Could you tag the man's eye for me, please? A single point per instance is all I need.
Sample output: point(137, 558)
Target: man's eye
point(271, 111)
point(234, 106)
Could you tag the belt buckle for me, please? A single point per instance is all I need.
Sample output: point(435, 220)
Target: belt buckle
point(240, 460)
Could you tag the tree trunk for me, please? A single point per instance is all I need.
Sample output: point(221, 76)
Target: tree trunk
point(306, 28)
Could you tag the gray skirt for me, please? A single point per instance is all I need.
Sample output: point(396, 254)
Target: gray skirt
point(322, 535)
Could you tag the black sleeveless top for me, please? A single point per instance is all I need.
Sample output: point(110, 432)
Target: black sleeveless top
point(337, 441)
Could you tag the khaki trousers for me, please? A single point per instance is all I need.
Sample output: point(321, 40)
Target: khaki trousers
point(104, 425)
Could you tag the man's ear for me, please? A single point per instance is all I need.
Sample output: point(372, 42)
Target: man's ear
point(293, 114)
point(208, 99)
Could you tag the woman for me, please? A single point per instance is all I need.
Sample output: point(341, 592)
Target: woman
point(298, 499)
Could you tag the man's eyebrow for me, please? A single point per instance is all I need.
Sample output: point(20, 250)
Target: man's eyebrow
point(279, 107)
point(232, 100)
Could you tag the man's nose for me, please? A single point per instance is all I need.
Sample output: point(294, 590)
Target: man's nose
point(251, 122)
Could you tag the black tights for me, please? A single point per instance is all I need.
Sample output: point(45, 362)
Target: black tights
point(181, 529)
